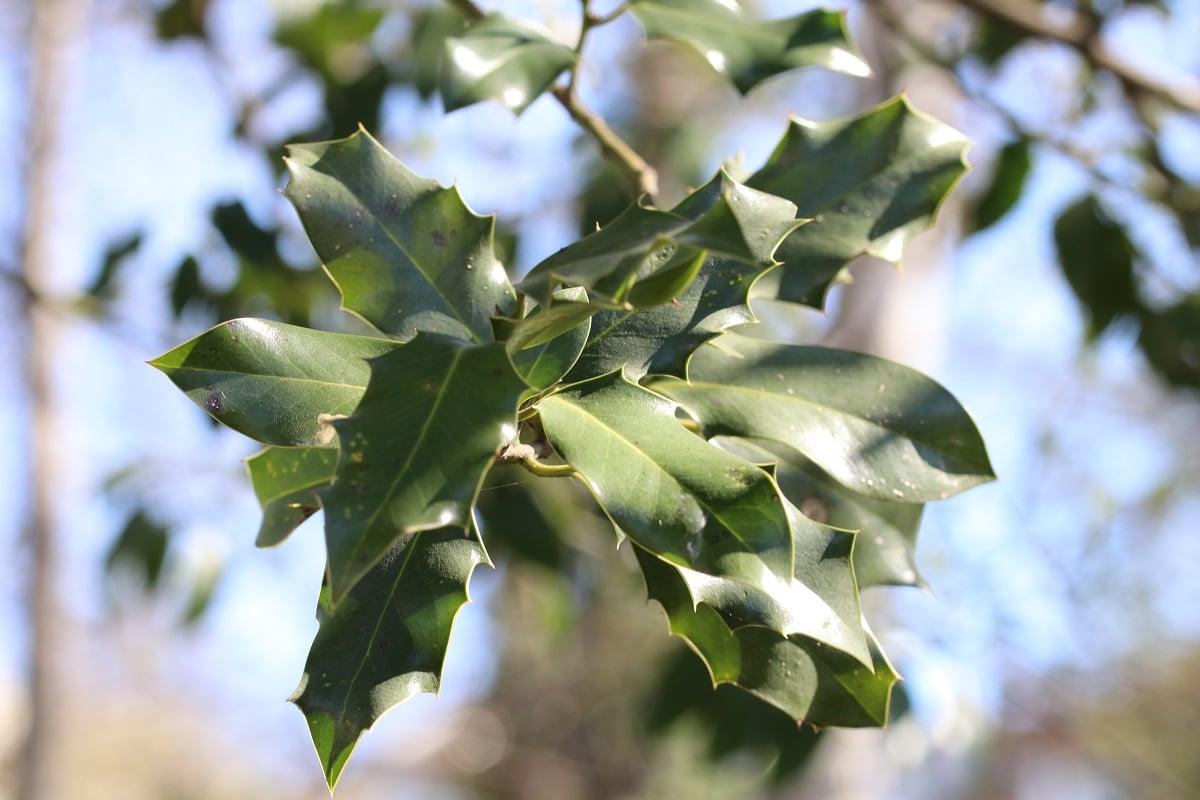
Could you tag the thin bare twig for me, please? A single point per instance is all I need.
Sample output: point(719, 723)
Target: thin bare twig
point(640, 174)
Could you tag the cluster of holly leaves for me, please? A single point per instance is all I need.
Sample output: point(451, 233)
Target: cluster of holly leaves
point(761, 486)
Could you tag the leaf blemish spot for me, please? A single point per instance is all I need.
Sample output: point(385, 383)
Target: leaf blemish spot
point(439, 238)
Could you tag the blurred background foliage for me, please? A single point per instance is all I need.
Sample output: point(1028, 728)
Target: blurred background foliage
point(1061, 293)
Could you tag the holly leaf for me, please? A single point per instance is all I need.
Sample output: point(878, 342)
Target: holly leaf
point(1007, 186)
point(386, 641)
point(543, 363)
point(407, 254)
point(287, 482)
point(272, 381)
point(886, 545)
point(416, 450)
point(876, 427)
point(741, 230)
point(646, 256)
point(747, 52)
point(501, 58)
point(1097, 260)
point(869, 184)
point(820, 601)
point(811, 682)
point(659, 340)
point(665, 488)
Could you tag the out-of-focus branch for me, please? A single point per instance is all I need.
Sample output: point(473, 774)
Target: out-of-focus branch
point(52, 27)
point(1081, 32)
point(897, 25)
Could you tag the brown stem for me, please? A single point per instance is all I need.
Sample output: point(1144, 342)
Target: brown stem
point(640, 174)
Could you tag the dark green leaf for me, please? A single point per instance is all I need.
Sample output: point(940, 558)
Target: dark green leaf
point(544, 363)
point(415, 451)
point(387, 640)
point(182, 19)
point(406, 254)
point(869, 184)
point(659, 340)
point(734, 722)
point(1008, 182)
point(114, 258)
point(142, 546)
point(645, 256)
point(667, 489)
point(1097, 260)
point(272, 381)
point(185, 286)
point(431, 28)
point(501, 58)
point(1171, 341)
point(877, 427)
point(286, 482)
point(747, 52)
point(321, 37)
point(886, 544)
point(812, 682)
point(820, 602)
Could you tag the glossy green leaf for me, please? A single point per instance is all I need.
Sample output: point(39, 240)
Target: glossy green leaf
point(415, 451)
point(877, 427)
point(1008, 183)
point(744, 228)
point(869, 184)
point(745, 51)
point(812, 682)
point(1097, 260)
point(667, 489)
point(542, 364)
point(645, 256)
point(287, 482)
point(501, 58)
point(659, 340)
point(886, 544)
point(820, 601)
point(406, 254)
point(386, 641)
point(271, 381)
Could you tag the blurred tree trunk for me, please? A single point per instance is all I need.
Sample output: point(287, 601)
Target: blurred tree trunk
point(52, 25)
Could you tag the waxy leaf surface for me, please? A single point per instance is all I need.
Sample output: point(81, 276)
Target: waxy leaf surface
point(820, 601)
point(406, 254)
point(745, 51)
point(645, 256)
point(812, 682)
point(287, 482)
point(877, 427)
point(386, 641)
point(886, 542)
point(869, 184)
point(667, 489)
point(501, 58)
point(543, 363)
point(416, 449)
point(271, 381)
